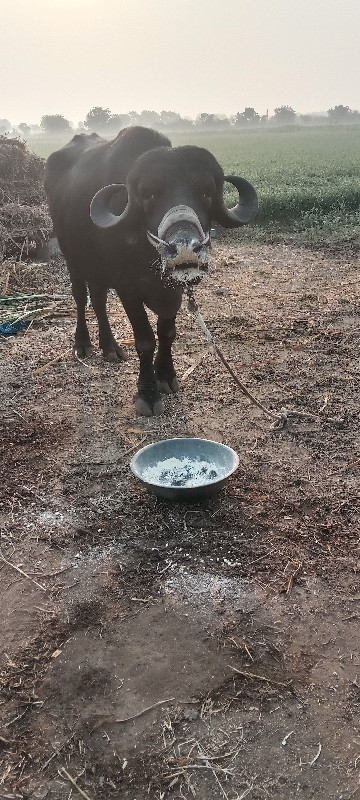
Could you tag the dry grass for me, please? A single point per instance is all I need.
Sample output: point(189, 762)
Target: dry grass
point(25, 223)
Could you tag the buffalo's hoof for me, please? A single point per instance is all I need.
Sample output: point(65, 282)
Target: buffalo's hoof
point(145, 409)
point(169, 387)
point(114, 353)
point(83, 350)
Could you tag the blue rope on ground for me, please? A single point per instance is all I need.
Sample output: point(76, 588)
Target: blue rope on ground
point(10, 328)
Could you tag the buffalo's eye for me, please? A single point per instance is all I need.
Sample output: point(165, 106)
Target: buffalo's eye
point(147, 194)
point(208, 192)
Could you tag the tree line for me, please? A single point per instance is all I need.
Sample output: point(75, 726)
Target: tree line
point(102, 120)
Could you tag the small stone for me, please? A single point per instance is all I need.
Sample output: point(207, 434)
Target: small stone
point(41, 793)
point(190, 714)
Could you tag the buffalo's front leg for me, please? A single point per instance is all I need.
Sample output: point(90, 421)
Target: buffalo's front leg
point(148, 400)
point(111, 350)
point(82, 344)
point(164, 367)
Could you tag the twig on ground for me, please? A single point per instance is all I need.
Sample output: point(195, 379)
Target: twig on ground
point(246, 792)
point(313, 760)
point(214, 770)
point(111, 720)
point(5, 742)
point(13, 411)
point(348, 466)
point(179, 767)
point(258, 677)
point(21, 571)
point(141, 599)
point(83, 362)
point(241, 645)
point(145, 710)
point(192, 369)
point(292, 578)
point(248, 652)
point(284, 741)
point(44, 610)
point(326, 400)
point(15, 719)
point(354, 792)
point(218, 757)
point(52, 574)
point(223, 792)
point(46, 366)
point(65, 774)
point(57, 751)
point(134, 447)
point(199, 766)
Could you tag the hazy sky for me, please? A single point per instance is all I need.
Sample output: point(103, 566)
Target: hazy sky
point(190, 56)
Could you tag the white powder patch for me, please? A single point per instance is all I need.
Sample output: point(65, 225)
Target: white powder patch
point(181, 472)
point(204, 594)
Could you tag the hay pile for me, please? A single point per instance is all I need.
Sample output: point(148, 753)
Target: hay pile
point(25, 223)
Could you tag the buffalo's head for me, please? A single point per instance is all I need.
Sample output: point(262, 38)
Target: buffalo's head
point(173, 195)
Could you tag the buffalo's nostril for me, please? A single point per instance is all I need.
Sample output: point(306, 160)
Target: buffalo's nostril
point(171, 249)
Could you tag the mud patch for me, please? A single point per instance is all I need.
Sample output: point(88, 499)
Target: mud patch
point(244, 609)
point(25, 456)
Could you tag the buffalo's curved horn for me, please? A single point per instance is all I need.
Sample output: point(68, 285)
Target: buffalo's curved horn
point(100, 206)
point(246, 208)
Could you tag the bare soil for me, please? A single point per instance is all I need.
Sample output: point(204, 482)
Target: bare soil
point(206, 650)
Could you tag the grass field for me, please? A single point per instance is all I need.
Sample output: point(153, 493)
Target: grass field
point(308, 181)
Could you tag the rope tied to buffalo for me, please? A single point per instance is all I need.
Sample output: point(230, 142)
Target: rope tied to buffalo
point(279, 418)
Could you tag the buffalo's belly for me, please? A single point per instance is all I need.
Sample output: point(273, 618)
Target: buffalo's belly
point(84, 261)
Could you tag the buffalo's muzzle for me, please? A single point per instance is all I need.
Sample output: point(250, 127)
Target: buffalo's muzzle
point(184, 258)
point(182, 246)
point(186, 261)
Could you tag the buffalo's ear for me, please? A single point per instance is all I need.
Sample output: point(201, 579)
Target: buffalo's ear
point(245, 209)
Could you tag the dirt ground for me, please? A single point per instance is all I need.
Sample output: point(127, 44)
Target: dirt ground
point(159, 650)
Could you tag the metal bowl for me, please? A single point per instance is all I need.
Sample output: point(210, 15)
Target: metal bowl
point(184, 469)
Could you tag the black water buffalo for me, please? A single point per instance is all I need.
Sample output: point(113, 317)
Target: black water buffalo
point(134, 214)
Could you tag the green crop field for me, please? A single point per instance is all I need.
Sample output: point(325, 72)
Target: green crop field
point(308, 180)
